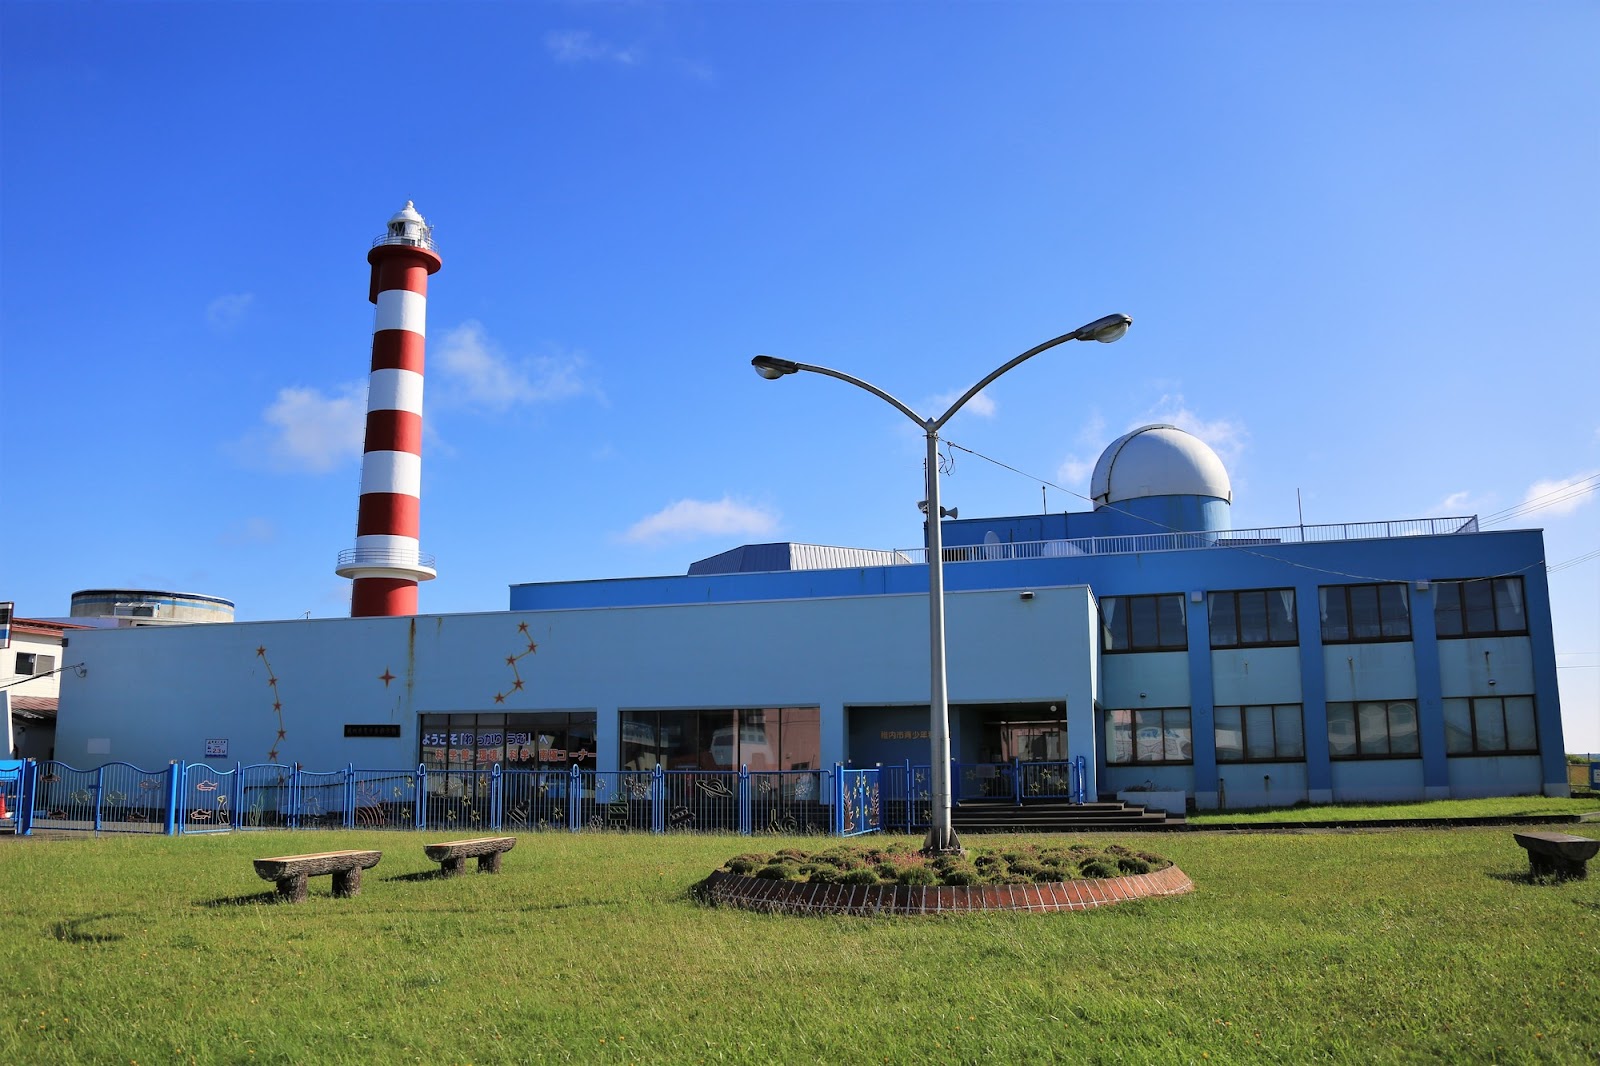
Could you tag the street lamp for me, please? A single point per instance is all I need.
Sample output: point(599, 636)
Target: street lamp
point(941, 839)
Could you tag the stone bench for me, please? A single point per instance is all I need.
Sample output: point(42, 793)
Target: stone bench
point(1559, 854)
point(291, 871)
point(453, 854)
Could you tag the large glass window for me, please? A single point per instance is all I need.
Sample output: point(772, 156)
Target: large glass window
point(1143, 623)
point(1262, 733)
point(1490, 725)
point(1352, 613)
point(516, 741)
point(761, 738)
point(1373, 729)
point(1252, 617)
point(1484, 607)
point(1153, 735)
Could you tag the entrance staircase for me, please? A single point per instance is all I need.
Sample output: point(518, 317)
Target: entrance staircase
point(1058, 816)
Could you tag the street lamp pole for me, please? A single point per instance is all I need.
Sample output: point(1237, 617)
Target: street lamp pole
point(941, 838)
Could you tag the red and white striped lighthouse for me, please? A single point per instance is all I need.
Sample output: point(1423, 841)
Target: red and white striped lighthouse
point(386, 562)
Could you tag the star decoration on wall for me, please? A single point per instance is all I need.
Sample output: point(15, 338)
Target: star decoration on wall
point(277, 703)
point(386, 677)
point(517, 682)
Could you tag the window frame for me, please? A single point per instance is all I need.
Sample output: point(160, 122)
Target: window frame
point(1457, 587)
point(1133, 726)
point(1244, 733)
point(1238, 619)
point(1377, 588)
point(1477, 752)
point(1388, 721)
point(1125, 624)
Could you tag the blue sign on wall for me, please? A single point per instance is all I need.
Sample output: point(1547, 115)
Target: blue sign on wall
point(1594, 775)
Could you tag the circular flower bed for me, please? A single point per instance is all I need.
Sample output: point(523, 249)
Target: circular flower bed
point(873, 879)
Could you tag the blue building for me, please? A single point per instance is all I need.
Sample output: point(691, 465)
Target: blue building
point(1390, 660)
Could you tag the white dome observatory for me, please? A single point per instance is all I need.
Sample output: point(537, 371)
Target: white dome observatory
point(1165, 480)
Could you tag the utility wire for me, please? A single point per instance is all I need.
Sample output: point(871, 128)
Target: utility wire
point(35, 677)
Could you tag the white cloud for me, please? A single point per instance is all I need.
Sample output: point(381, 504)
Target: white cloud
point(689, 519)
point(581, 46)
point(253, 530)
point(475, 373)
point(227, 311)
point(1453, 505)
point(980, 405)
point(1557, 498)
point(1074, 472)
point(308, 430)
point(1226, 437)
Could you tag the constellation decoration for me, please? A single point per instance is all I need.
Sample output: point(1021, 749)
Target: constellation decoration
point(277, 702)
point(511, 660)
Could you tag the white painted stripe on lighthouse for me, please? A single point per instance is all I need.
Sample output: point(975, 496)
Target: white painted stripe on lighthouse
point(399, 472)
point(400, 549)
point(395, 390)
point(402, 309)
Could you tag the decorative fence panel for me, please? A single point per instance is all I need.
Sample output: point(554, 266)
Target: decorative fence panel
point(983, 780)
point(698, 801)
point(16, 783)
point(115, 798)
point(785, 801)
point(207, 798)
point(535, 799)
point(907, 796)
point(858, 802)
point(385, 799)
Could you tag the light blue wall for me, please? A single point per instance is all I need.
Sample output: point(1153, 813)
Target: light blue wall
point(1145, 679)
point(1241, 786)
point(157, 694)
point(1255, 675)
point(1370, 672)
point(1378, 781)
point(1467, 666)
point(1504, 775)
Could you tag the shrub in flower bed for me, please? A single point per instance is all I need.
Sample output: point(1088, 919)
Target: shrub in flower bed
point(875, 865)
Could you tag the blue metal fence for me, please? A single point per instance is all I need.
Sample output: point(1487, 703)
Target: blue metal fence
point(203, 798)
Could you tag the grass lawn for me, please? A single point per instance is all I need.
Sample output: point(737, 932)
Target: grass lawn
point(1391, 945)
point(1489, 807)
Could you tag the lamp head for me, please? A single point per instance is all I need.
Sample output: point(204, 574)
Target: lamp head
point(772, 368)
point(1105, 330)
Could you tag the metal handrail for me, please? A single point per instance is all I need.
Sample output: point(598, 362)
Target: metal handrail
point(1127, 544)
point(384, 557)
point(414, 242)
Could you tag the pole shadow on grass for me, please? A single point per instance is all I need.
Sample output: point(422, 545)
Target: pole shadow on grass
point(419, 875)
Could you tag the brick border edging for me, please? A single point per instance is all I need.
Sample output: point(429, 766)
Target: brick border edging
point(726, 889)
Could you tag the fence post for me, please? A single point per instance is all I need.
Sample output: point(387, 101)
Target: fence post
point(27, 785)
point(99, 790)
point(422, 797)
point(911, 797)
point(294, 796)
point(658, 799)
point(349, 819)
point(838, 799)
point(177, 789)
point(494, 796)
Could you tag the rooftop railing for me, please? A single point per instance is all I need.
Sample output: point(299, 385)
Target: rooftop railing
point(414, 242)
point(1227, 538)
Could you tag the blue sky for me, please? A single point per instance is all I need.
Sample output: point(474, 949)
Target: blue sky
point(1359, 241)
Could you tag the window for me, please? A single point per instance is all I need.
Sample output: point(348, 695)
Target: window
point(33, 664)
point(762, 739)
point(1260, 733)
point(1353, 613)
point(1373, 729)
point(515, 741)
point(1143, 623)
point(1252, 617)
point(1142, 737)
point(1490, 725)
point(1490, 606)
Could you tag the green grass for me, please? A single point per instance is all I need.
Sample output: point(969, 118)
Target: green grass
point(1489, 807)
point(1410, 945)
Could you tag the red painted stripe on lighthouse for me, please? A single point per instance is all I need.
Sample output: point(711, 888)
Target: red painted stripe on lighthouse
point(381, 597)
point(394, 431)
point(397, 349)
point(403, 271)
point(388, 514)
